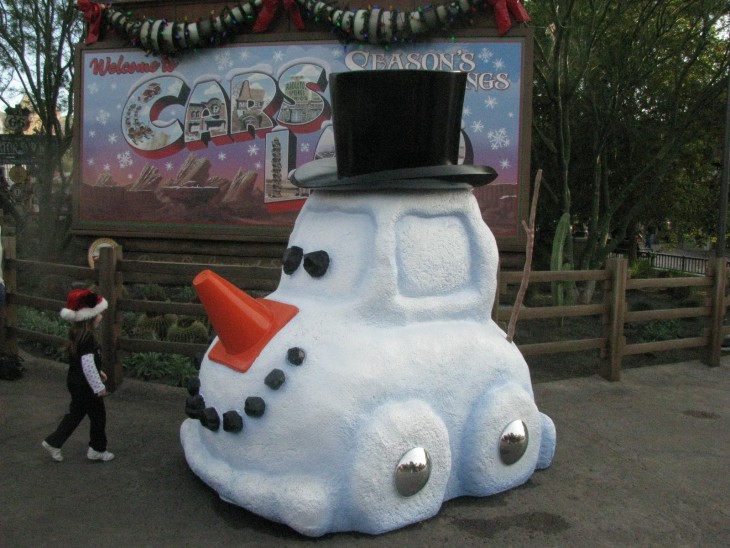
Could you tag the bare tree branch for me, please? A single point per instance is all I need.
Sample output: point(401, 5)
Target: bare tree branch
point(529, 245)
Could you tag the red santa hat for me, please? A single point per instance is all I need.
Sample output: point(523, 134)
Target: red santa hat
point(83, 304)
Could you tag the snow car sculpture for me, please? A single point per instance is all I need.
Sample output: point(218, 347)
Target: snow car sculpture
point(372, 385)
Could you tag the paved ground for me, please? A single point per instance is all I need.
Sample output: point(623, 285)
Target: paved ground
point(643, 462)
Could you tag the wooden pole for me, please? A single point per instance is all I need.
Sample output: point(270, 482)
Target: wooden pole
point(9, 312)
point(110, 288)
point(716, 268)
point(617, 303)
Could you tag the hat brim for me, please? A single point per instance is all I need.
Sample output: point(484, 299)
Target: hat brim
point(323, 174)
point(85, 313)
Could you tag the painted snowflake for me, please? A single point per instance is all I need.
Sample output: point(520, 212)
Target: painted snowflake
point(485, 55)
point(102, 117)
point(498, 138)
point(223, 60)
point(125, 159)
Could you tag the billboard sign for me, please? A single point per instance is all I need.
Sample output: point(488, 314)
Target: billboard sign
point(205, 143)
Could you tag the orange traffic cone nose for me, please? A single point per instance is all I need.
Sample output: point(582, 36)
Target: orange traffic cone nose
point(244, 325)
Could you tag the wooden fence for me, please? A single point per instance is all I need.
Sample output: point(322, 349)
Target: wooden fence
point(112, 272)
point(614, 314)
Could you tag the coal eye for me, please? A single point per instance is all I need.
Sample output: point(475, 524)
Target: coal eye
point(292, 258)
point(316, 263)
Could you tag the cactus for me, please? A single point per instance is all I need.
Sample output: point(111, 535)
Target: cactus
point(556, 258)
point(188, 332)
point(155, 325)
point(154, 292)
point(563, 292)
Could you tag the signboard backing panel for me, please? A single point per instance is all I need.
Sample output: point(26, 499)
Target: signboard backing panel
point(202, 146)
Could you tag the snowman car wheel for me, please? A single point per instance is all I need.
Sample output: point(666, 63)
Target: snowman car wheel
point(502, 443)
point(400, 466)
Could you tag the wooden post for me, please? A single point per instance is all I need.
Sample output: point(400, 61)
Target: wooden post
point(717, 268)
point(9, 312)
point(617, 304)
point(110, 288)
point(606, 285)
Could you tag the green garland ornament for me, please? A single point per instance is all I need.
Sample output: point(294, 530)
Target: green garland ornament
point(372, 25)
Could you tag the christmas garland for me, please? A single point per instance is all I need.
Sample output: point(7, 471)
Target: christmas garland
point(372, 25)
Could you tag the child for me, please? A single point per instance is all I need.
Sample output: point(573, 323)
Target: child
point(85, 381)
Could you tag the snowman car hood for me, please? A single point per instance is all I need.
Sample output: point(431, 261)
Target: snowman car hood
point(372, 385)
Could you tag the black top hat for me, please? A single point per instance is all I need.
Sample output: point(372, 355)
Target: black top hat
point(395, 129)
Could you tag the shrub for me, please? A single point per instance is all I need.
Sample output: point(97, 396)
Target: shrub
point(172, 369)
point(658, 330)
point(641, 269)
point(181, 370)
point(42, 321)
point(144, 365)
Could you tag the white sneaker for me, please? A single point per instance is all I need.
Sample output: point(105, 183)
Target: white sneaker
point(54, 451)
point(104, 456)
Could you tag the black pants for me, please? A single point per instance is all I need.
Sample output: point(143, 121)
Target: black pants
point(83, 402)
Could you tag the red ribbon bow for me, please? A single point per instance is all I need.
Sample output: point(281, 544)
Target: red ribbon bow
point(93, 15)
point(263, 21)
point(502, 10)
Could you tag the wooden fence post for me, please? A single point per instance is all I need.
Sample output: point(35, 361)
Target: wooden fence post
point(9, 312)
point(616, 300)
point(110, 286)
point(716, 268)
